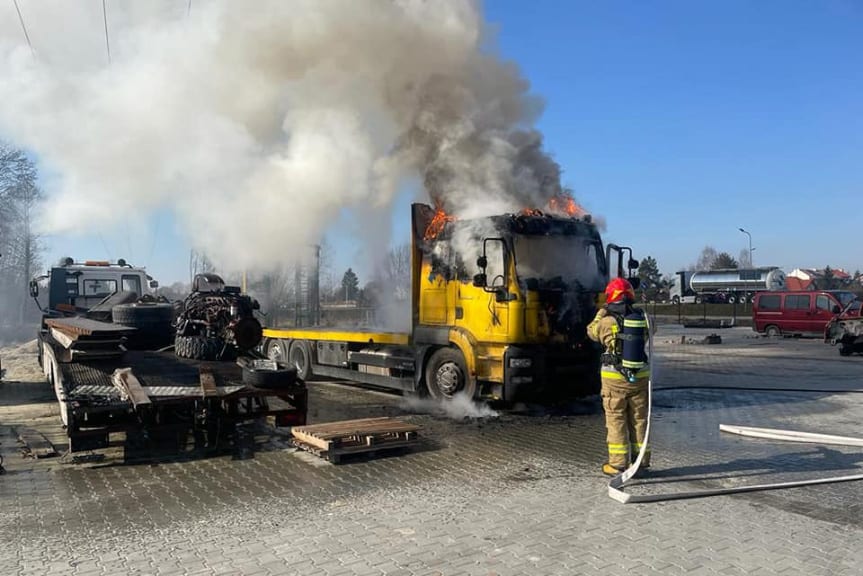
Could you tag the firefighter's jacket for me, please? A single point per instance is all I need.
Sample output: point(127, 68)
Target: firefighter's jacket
point(605, 329)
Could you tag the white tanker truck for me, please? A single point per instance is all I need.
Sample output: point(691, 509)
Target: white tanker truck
point(724, 286)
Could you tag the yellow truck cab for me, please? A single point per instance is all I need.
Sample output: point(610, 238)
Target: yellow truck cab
point(499, 311)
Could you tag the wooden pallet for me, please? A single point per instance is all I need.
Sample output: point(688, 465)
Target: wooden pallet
point(333, 440)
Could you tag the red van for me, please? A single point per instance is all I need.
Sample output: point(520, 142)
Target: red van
point(797, 313)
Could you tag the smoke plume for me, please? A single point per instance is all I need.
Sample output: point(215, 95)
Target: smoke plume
point(257, 123)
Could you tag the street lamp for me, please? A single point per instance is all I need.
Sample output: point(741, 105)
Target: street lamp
point(746, 295)
point(751, 264)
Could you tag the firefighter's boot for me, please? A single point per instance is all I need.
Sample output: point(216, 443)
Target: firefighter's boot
point(610, 470)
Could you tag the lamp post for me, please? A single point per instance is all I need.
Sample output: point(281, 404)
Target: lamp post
point(746, 295)
point(751, 264)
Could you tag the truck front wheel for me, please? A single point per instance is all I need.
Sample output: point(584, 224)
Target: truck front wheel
point(446, 375)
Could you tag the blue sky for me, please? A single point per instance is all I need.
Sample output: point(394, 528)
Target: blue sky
point(676, 122)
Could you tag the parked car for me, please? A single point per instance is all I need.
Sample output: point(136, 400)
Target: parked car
point(797, 313)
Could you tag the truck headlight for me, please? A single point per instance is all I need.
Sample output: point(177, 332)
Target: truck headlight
point(520, 362)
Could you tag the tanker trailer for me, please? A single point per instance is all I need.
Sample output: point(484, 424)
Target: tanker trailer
point(734, 285)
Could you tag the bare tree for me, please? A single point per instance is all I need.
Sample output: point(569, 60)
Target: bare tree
point(19, 244)
point(745, 258)
point(397, 271)
point(705, 259)
point(199, 263)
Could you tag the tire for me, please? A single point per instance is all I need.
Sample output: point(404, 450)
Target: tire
point(277, 350)
point(143, 315)
point(446, 375)
point(197, 347)
point(300, 358)
point(731, 300)
point(151, 320)
point(268, 378)
point(698, 299)
point(845, 350)
point(772, 331)
point(675, 300)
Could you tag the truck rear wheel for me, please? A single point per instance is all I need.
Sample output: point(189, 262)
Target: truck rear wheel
point(300, 358)
point(446, 375)
point(277, 350)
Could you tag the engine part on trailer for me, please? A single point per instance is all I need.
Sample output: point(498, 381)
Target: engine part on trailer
point(218, 314)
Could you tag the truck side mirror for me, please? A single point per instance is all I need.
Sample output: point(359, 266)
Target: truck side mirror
point(482, 262)
point(34, 289)
point(480, 280)
point(633, 263)
point(154, 284)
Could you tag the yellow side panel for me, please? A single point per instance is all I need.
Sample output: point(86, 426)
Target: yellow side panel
point(433, 298)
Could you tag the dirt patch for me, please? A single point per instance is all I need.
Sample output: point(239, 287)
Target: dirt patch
point(20, 362)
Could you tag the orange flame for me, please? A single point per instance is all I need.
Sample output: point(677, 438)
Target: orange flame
point(565, 203)
point(530, 212)
point(437, 224)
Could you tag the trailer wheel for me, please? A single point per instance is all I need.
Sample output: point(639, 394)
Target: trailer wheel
point(772, 331)
point(698, 299)
point(197, 347)
point(731, 299)
point(300, 358)
point(675, 300)
point(446, 375)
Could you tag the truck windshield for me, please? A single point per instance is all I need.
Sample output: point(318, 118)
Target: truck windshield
point(571, 259)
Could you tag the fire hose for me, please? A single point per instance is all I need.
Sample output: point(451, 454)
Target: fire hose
point(617, 484)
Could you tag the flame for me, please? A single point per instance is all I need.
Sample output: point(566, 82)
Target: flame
point(437, 224)
point(565, 203)
point(531, 212)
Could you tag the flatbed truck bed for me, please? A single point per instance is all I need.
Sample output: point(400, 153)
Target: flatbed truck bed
point(92, 407)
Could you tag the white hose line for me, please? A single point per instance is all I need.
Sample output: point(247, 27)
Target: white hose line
point(791, 435)
point(617, 484)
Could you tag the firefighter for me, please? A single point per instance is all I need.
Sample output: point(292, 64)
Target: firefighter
point(622, 331)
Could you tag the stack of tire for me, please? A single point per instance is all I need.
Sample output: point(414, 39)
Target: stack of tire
point(199, 347)
point(151, 321)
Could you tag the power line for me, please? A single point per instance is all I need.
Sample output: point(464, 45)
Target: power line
point(24, 28)
point(189, 8)
point(105, 19)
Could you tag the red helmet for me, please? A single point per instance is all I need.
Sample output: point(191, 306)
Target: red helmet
point(617, 290)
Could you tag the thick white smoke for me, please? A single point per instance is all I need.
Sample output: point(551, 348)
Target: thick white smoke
point(257, 123)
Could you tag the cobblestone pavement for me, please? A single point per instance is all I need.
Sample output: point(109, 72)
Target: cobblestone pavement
point(518, 494)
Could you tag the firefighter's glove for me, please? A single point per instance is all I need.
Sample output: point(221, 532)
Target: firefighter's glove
point(602, 313)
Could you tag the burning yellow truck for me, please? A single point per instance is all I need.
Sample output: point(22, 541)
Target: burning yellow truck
point(499, 309)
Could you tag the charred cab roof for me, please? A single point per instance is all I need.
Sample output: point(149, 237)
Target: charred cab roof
point(536, 224)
